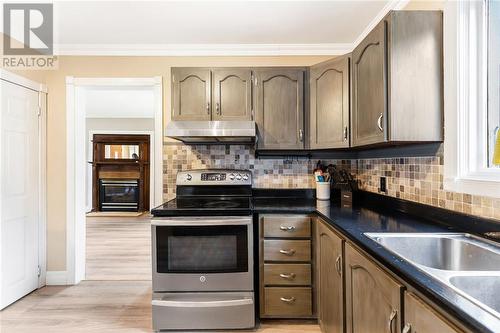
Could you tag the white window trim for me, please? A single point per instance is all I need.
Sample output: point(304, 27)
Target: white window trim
point(465, 95)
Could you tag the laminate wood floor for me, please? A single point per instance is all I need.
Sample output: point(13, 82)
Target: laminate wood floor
point(104, 307)
point(118, 248)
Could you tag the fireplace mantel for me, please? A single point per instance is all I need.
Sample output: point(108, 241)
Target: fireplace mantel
point(121, 157)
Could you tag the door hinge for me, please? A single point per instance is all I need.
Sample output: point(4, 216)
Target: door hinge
point(39, 111)
point(39, 271)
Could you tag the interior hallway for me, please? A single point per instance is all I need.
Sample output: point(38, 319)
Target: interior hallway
point(118, 248)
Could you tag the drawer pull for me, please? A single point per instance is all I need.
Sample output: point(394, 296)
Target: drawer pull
point(290, 276)
point(288, 300)
point(287, 228)
point(290, 252)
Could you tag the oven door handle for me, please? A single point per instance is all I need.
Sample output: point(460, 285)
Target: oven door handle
point(201, 221)
point(206, 304)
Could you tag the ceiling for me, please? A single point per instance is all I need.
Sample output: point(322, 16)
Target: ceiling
point(214, 27)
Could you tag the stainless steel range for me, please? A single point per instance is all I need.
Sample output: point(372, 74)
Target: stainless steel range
point(202, 245)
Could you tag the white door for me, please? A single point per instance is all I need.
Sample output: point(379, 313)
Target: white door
point(19, 183)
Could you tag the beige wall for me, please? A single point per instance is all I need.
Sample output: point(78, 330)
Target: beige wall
point(425, 5)
point(109, 67)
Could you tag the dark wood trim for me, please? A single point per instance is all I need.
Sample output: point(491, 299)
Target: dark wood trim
point(117, 166)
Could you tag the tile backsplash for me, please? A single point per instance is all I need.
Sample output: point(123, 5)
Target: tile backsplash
point(267, 172)
point(418, 179)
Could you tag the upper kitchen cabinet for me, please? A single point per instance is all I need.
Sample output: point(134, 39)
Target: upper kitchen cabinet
point(397, 80)
point(191, 94)
point(329, 100)
point(217, 94)
point(232, 94)
point(279, 103)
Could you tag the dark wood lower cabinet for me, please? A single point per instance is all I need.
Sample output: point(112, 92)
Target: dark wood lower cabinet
point(330, 279)
point(421, 318)
point(286, 266)
point(373, 298)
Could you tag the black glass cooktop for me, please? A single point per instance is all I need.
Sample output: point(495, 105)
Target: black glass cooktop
point(205, 205)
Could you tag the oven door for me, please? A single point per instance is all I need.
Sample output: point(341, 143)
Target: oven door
point(202, 254)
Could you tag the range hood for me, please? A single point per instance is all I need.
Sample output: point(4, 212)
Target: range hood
point(211, 131)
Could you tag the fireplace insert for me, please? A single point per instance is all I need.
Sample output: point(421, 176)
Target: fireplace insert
point(119, 195)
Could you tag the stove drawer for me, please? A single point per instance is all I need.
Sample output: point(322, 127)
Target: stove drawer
point(287, 250)
point(287, 226)
point(287, 274)
point(288, 302)
point(210, 311)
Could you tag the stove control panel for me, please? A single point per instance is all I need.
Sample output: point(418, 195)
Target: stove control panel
point(214, 177)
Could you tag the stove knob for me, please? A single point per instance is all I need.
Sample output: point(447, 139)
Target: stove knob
point(245, 177)
point(231, 176)
point(189, 177)
point(238, 177)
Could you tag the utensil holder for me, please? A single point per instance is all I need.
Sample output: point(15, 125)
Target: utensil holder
point(323, 190)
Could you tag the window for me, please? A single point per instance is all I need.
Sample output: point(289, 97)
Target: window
point(472, 96)
point(493, 21)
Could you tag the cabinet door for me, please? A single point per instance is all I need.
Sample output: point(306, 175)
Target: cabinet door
point(232, 94)
point(191, 94)
point(280, 108)
point(369, 77)
point(330, 294)
point(373, 298)
point(421, 318)
point(329, 88)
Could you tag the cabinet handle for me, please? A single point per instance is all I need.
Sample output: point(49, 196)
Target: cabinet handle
point(287, 228)
point(217, 109)
point(290, 252)
point(338, 265)
point(289, 276)
point(208, 107)
point(407, 328)
point(379, 122)
point(287, 300)
point(301, 135)
point(392, 316)
point(345, 134)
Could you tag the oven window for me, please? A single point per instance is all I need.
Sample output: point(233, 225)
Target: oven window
point(202, 249)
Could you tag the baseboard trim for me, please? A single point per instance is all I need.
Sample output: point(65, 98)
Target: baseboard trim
point(56, 278)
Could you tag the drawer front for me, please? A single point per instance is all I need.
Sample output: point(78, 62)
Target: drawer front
point(287, 226)
point(288, 302)
point(287, 250)
point(287, 274)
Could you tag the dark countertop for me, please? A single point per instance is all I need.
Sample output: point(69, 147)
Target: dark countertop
point(372, 217)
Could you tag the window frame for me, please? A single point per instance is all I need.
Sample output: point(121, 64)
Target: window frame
point(466, 100)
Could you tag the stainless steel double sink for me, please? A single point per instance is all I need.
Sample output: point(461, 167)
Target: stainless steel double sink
point(468, 264)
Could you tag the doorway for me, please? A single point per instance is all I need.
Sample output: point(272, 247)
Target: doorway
point(22, 187)
point(108, 247)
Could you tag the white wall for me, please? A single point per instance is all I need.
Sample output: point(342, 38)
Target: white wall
point(105, 125)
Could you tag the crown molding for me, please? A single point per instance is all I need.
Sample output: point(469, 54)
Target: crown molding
point(202, 49)
point(391, 5)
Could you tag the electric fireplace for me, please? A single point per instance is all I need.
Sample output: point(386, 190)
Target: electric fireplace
point(119, 195)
